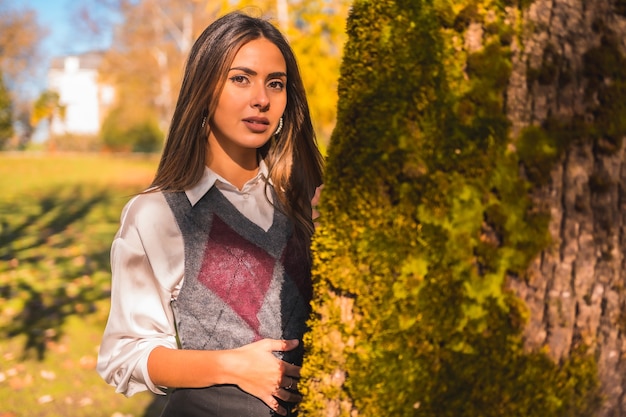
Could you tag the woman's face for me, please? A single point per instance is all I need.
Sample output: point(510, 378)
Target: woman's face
point(253, 99)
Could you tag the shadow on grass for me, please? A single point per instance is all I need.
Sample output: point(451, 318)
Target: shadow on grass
point(54, 261)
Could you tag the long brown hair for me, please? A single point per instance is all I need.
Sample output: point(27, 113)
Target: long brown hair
point(294, 161)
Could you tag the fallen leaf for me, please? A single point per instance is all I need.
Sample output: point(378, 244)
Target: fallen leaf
point(45, 399)
point(84, 402)
point(48, 375)
point(87, 362)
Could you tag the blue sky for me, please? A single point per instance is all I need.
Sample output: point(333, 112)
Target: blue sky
point(54, 15)
point(59, 18)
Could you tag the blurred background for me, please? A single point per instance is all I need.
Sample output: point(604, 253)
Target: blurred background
point(86, 93)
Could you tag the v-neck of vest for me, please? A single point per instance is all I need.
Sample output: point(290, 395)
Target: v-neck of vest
point(235, 212)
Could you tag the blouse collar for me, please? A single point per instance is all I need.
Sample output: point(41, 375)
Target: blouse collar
point(210, 177)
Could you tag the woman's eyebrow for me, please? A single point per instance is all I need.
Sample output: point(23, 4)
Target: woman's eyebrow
point(277, 74)
point(244, 69)
point(253, 72)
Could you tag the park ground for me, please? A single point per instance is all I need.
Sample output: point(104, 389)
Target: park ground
point(58, 215)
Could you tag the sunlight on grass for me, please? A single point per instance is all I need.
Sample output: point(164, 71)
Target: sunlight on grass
point(65, 383)
point(31, 172)
point(58, 216)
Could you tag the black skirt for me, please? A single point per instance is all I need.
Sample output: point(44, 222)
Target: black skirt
point(217, 401)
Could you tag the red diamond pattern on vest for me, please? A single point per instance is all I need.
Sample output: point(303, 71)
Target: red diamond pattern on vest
point(237, 271)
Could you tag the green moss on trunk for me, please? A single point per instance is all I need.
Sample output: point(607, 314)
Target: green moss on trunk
point(423, 217)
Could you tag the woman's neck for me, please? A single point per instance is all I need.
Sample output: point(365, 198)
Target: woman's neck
point(236, 169)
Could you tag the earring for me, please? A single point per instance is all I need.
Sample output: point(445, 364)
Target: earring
point(280, 126)
point(203, 122)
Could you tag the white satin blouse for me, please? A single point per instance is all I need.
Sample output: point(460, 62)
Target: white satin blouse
point(147, 265)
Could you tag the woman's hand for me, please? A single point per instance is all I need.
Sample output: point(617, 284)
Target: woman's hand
point(252, 367)
point(258, 372)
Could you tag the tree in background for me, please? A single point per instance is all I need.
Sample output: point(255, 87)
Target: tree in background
point(470, 259)
point(317, 36)
point(146, 59)
point(6, 114)
point(46, 108)
point(20, 39)
point(24, 131)
point(139, 134)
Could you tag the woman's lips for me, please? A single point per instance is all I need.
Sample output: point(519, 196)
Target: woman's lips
point(257, 124)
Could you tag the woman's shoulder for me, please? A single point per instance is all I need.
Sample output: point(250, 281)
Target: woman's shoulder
point(147, 207)
point(147, 201)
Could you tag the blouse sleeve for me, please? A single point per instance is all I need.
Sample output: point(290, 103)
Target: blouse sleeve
point(147, 268)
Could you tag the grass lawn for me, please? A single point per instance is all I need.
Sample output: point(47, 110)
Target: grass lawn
point(58, 215)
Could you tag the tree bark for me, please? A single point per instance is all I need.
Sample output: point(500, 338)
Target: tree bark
point(426, 214)
point(575, 289)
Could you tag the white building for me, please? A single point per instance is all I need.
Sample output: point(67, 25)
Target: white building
point(75, 79)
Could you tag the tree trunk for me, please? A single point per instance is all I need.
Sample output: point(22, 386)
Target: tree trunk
point(471, 251)
point(575, 290)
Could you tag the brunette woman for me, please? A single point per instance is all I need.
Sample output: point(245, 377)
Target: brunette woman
point(211, 265)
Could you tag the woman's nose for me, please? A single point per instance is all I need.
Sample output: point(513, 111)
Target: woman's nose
point(260, 99)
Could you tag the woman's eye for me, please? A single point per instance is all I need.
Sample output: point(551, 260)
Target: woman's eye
point(277, 85)
point(238, 79)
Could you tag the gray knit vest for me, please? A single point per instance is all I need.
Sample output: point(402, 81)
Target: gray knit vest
point(241, 283)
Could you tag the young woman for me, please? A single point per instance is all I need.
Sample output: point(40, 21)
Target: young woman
point(211, 267)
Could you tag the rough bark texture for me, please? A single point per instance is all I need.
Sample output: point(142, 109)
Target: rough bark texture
point(575, 291)
point(449, 111)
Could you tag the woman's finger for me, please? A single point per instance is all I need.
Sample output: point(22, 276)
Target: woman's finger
point(272, 403)
point(279, 345)
point(289, 383)
point(288, 396)
point(289, 369)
